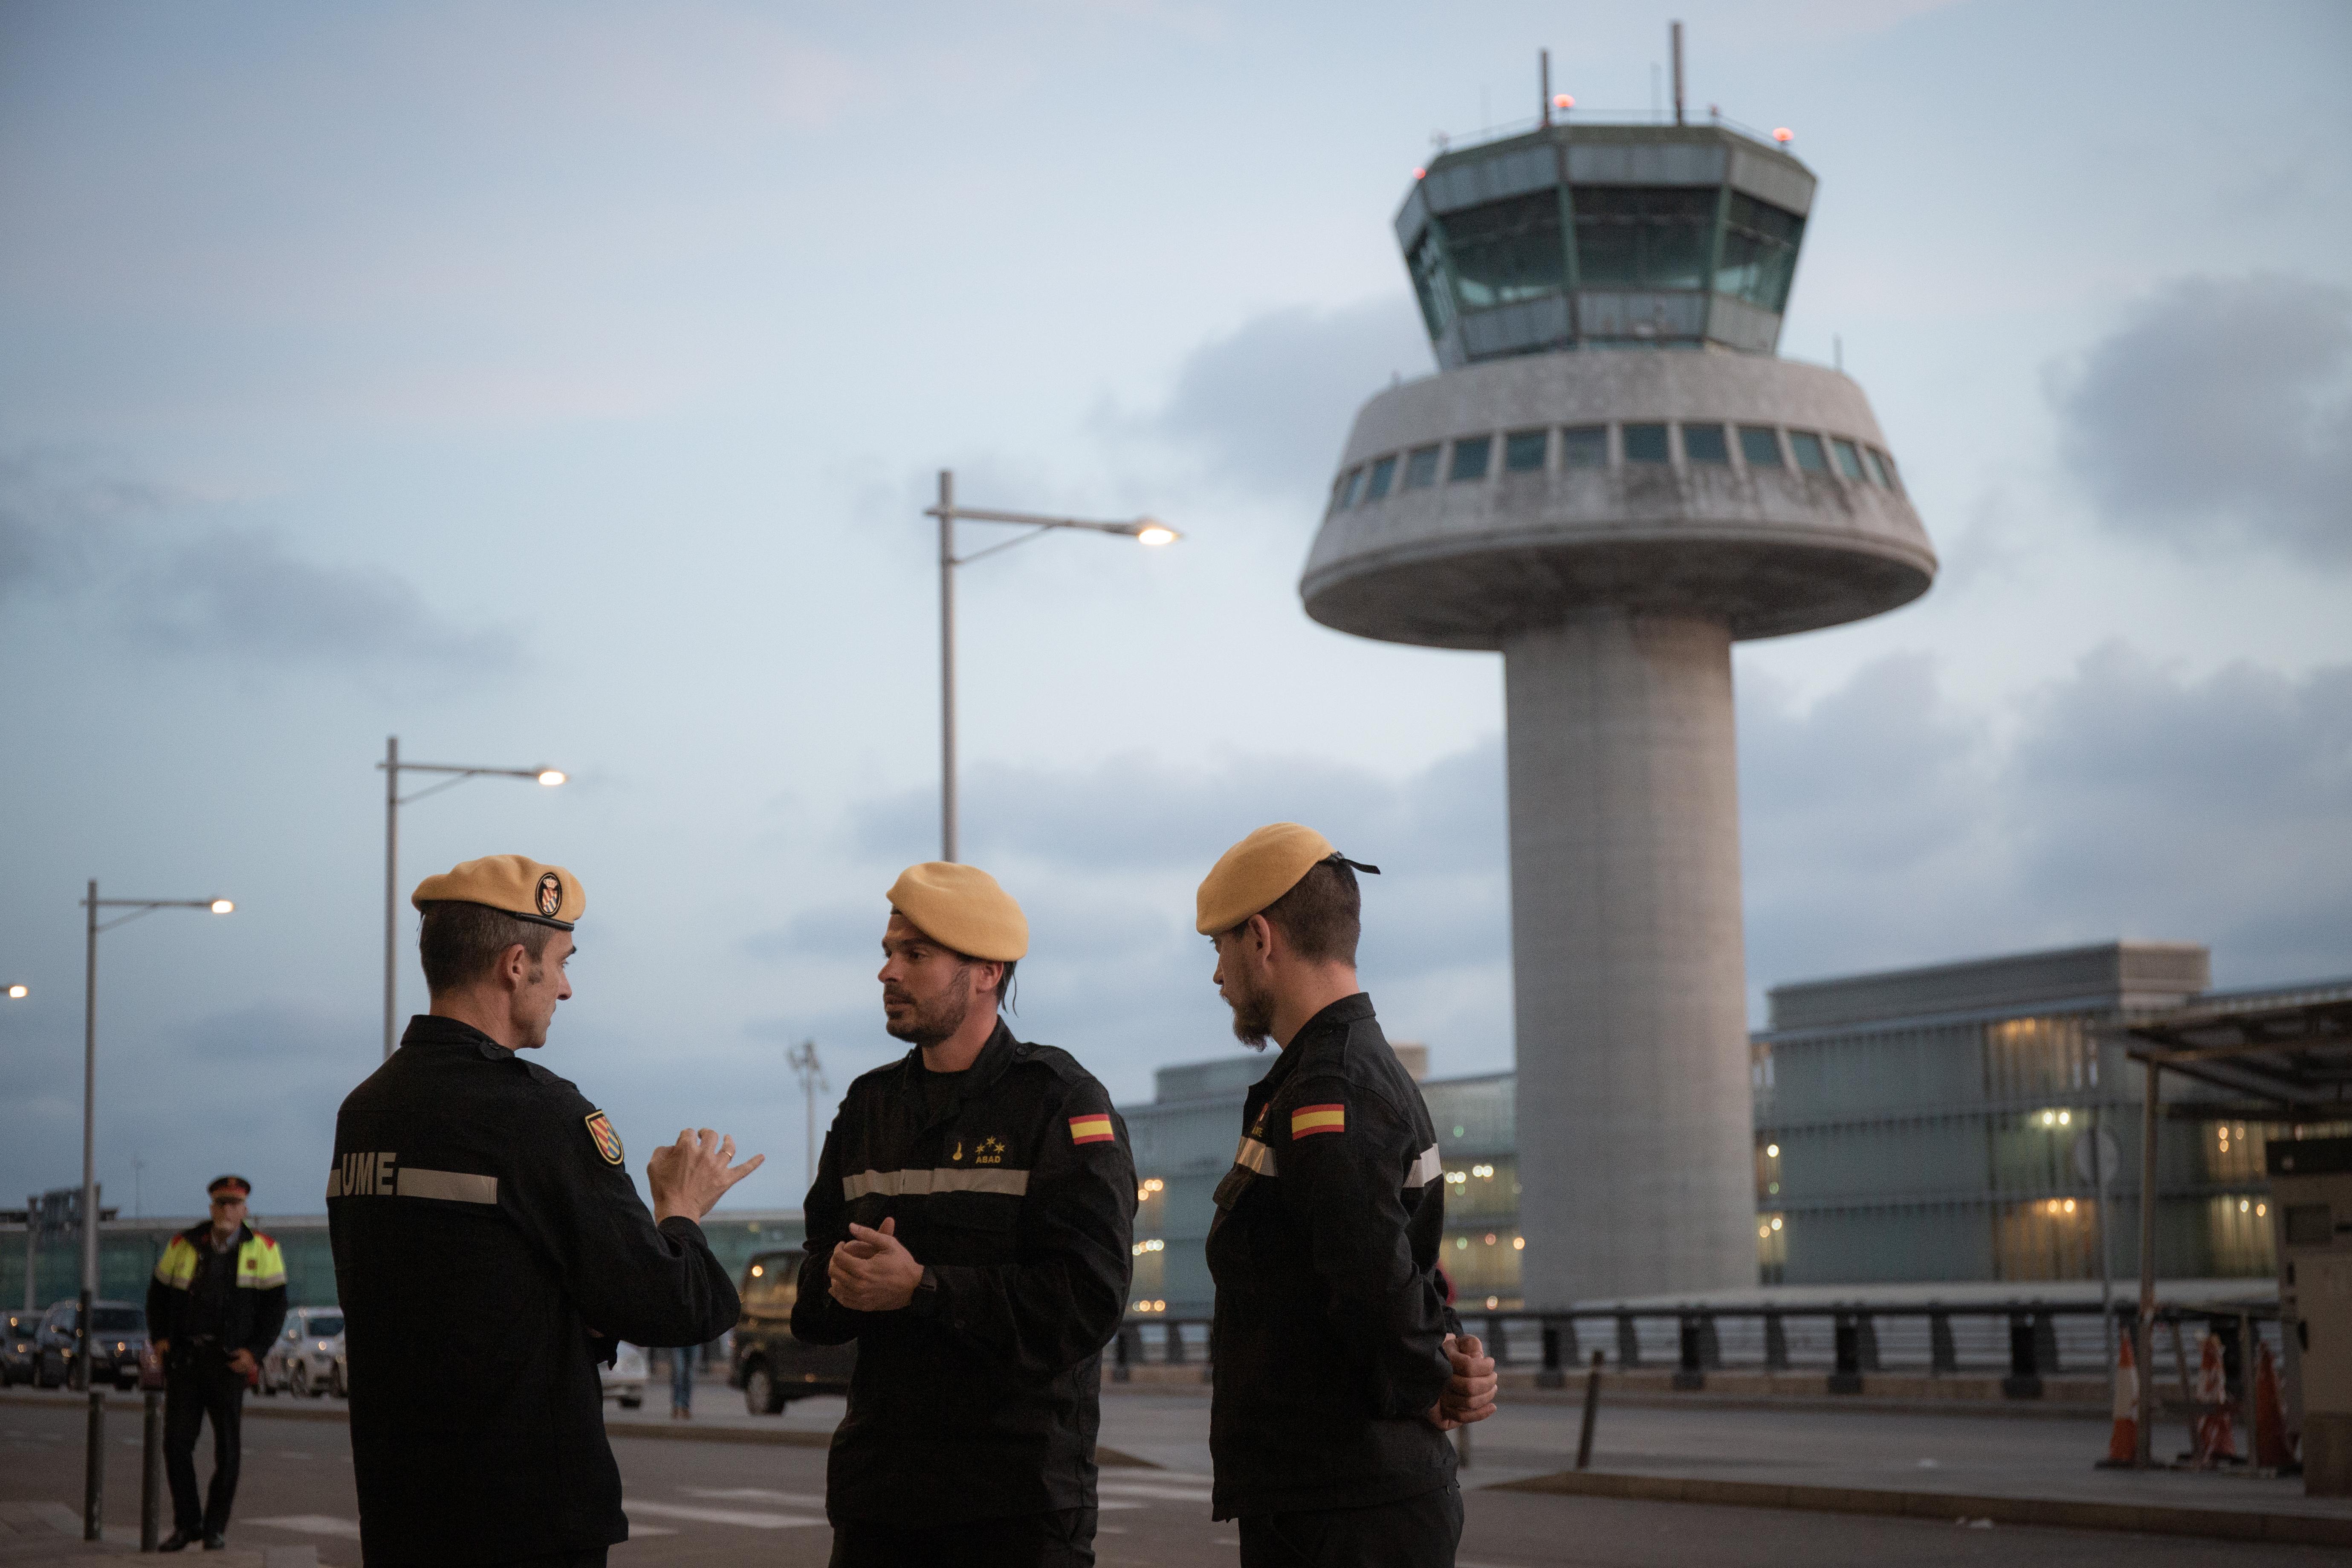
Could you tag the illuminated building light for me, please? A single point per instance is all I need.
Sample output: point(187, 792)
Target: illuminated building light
point(1776, 1222)
point(1772, 1151)
point(1519, 1244)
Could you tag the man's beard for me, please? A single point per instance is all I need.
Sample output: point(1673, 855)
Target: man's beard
point(928, 1025)
point(1253, 1016)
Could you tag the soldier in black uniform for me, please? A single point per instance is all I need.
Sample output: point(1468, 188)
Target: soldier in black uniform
point(491, 1251)
point(970, 1229)
point(1338, 1366)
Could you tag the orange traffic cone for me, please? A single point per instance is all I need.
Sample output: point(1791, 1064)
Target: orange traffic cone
point(2215, 1441)
point(2271, 1450)
point(2123, 1440)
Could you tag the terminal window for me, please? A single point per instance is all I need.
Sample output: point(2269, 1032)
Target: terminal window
point(1585, 446)
point(1646, 444)
point(1382, 472)
point(1470, 458)
point(1849, 460)
point(1808, 448)
point(1355, 486)
point(1704, 444)
point(1877, 469)
point(1420, 468)
point(1633, 237)
point(1760, 446)
point(1506, 250)
point(1523, 450)
point(1894, 480)
point(1759, 252)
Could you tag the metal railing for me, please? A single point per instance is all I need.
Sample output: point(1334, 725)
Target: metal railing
point(2021, 1342)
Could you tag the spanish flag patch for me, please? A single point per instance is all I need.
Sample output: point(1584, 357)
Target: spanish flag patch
point(1310, 1119)
point(1094, 1129)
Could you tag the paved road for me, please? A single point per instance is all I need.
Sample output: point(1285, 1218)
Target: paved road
point(722, 1503)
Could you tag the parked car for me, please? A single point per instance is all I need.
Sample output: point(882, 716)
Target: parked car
point(770, 1366)
point(624, 1380)
point(303, 1360)
point(117, 1340)
point(19, 1350)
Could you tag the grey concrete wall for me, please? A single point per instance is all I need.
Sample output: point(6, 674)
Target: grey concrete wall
point(1633, 1115)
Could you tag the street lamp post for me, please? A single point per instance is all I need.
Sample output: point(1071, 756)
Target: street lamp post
point(393, 767)
point(1143, 530)
point(94, 1457)
point(803, 1059)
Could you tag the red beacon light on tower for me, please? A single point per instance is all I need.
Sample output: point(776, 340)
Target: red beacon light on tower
point(1784, 134)
point(1562, 100)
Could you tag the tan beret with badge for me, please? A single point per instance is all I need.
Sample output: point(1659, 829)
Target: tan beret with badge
point(1260, 869)
point(961, 907)
point(511, 884)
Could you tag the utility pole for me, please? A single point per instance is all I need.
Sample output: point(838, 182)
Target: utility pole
point(803, 1059)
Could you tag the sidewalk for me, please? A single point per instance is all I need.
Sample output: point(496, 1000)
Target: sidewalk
point(42, 1534)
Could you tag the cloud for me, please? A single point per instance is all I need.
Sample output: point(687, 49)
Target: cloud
point(1265, 407)
point(2219, 416)
point(237, 593)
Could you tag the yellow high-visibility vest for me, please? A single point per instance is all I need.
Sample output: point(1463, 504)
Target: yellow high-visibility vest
point(259, 1265)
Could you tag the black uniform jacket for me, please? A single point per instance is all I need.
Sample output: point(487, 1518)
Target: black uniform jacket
point(982, 1399)
point(1331, 1321)
point(483, 1224)
point(254, 1304)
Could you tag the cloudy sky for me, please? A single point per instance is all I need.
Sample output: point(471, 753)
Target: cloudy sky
point(560, 383)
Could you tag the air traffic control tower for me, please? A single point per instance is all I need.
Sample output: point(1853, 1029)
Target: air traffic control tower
point(1611, 479)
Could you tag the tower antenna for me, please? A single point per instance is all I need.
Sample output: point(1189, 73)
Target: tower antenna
point(1543, 82)
point(1679, 72)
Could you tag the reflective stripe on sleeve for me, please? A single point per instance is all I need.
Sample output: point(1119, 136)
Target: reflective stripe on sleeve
point(450, 1186)
point(1255, 1156)
point(1426, 1169)
point(940, 1179)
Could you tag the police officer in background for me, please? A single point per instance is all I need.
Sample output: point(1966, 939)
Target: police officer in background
point(218, 1300)
point(491, 1250)
point(970, 1228)
point(1340, 1368)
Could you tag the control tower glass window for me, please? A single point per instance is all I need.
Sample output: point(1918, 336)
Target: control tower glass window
point(1383, 471)
point(1808, 448)
point(1704, 444)
point(1646, 444)
point(1759, 446)
point(1428, 266)
point(1631, 237)
point(1584, 447)
point(1506, 250)
point(1849, 460)
point(1523, 450)
point(1420, 468)
point(1759, 252)
point(1470, 458)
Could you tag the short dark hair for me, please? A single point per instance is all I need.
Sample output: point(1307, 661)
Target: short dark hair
point(459, 943)
point(1322, 915)
point(1003, 980)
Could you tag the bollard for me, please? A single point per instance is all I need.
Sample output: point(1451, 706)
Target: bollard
point(1866, 1342)
point(1687, 1374)
point(151, 1475)
point(1497, 1345)
point(1592, 1409)
point(1943, 1355)
point(1847, 1378)
point(2045, 1342)
point(1175, 1344)
point(1776, 1343)
point(1550, 1375)
point(1628, 1343)
point(1118, 1372)
point(2024, 1379)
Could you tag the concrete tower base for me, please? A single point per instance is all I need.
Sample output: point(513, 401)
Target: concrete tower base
point(1633, 1090)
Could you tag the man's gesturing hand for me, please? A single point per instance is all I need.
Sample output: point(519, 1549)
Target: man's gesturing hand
point(690, 1175)
point(1470, 1392)
point(871, 1272)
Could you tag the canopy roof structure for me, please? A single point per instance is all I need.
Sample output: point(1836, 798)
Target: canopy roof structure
point(2282, 1062)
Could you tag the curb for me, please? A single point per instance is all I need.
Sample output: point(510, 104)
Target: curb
point(2146, 1518)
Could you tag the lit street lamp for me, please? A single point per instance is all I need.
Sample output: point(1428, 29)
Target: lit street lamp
point(94, 1458)
point(18, 992)
point(393, 767)
point(1143, 531)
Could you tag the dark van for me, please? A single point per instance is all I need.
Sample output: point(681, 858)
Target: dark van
point(772, 1367)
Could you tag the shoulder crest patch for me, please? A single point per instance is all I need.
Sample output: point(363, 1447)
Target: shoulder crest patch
point(1309, 1119)
point(601, 1133)
point(1090, 1128)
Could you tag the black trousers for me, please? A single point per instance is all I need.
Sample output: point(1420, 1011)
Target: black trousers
point(592, 1558)
point(1062, 1540)
point(197, 1385)
point(1418, 1533)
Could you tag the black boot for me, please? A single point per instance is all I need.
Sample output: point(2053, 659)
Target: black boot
point(178, 1541)
point(216, 1541)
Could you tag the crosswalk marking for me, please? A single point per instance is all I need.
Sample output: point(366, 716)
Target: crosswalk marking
point(313, 1524)
point(721, 1515)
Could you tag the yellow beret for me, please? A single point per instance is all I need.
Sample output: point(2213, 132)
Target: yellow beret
point(961, 907)
point(511, 884)
point(1258, 870)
